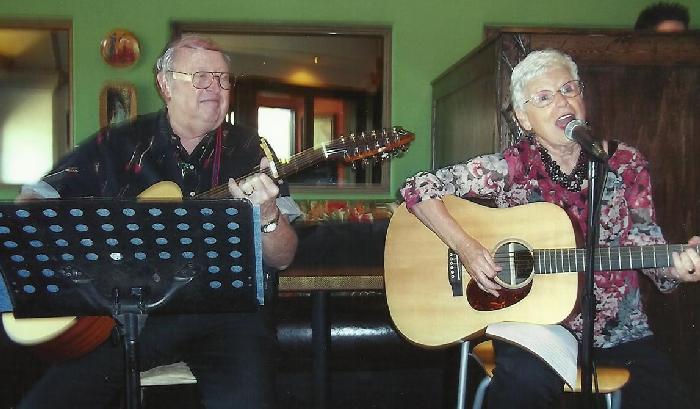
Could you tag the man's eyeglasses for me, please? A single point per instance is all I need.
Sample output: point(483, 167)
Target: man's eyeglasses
point(545, 97)
point(203, 79)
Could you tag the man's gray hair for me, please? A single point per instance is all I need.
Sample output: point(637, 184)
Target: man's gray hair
point(166, 62)
point(534, 65)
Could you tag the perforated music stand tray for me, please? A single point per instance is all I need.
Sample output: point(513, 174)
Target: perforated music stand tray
point(128, 258)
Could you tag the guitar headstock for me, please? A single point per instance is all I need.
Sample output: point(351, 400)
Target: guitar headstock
point(365, 145)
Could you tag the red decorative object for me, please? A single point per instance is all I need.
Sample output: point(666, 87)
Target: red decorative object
point(120, 48)
point(314, 211)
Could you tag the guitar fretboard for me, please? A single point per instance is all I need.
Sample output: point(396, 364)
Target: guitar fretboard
point(607, 258)
point(294, 164)
point(350, 148)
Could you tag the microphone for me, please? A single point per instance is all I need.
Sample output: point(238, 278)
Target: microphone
point(579, 132)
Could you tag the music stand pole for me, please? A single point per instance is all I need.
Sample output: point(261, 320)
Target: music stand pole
point(131, 316)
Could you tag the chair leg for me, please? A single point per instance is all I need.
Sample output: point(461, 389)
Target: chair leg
point(480, 392)
point(462, 382)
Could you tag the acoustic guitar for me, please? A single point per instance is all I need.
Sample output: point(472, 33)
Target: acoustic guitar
point(62, 338)
point(434, 302)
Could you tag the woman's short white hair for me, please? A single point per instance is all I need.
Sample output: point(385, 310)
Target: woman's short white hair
point(534, 65)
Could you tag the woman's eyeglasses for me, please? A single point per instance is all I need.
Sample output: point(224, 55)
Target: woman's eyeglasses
point(545, 97)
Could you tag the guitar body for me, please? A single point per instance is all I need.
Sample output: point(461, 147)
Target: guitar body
point(62, 338)
point(419, 294)
point(58, 338)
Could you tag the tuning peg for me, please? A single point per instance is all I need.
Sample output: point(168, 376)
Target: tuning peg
point(386, 137)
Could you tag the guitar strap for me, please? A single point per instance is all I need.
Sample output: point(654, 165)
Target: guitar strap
point(217, 157)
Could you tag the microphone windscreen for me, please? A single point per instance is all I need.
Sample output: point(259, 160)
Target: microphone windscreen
point(571, 126)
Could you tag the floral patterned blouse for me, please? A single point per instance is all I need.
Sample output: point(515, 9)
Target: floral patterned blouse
point(518, 176)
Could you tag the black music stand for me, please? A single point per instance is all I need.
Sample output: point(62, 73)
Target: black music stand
point(127, 259)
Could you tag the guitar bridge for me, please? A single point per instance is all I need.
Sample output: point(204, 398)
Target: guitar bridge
point(454, 273)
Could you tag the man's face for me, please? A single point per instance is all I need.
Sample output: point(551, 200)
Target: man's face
point(203, 109)
point(670, 26)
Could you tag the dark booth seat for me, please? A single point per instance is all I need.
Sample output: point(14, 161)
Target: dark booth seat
point(340, 248)
point(332, 315)
point(331, 297)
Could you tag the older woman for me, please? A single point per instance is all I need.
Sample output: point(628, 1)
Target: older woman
point(546, 166)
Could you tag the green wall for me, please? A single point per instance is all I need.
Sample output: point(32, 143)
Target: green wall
point(428, 36)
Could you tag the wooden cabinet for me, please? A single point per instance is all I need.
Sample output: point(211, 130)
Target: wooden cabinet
point(640, 88)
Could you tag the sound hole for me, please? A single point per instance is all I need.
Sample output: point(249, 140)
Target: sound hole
point(517, 265)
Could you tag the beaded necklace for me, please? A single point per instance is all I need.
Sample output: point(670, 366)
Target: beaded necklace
point(571, 182)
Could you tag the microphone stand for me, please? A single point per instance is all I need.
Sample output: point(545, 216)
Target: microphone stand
point(596, 169)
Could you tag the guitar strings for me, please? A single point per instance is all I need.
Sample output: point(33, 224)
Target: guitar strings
point(222, 190)
point(561, 259)
point(304, 159)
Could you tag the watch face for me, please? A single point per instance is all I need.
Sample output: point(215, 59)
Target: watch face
point(270, 227)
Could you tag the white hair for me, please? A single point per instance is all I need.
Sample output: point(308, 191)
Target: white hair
point(534, 65)
point(166, 62)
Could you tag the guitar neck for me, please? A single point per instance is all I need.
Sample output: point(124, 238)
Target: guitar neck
point(607, 258)
point(295, 163)
point(349, 148)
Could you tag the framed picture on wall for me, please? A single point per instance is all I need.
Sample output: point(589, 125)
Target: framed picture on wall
point(117, 103)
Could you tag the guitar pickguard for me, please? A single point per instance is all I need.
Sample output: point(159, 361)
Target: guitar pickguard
point(480, 300)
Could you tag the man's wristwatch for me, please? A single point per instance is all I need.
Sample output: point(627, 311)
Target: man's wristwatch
point(271, 226)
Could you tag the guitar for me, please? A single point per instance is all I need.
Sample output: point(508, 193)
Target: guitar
point(434, 302)
point(62, 338)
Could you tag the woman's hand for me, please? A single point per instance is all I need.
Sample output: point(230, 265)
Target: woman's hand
point(686, 265)
point(480, 265)
point(475, 257)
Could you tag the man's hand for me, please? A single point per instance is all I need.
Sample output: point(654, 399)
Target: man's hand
point(260, 190)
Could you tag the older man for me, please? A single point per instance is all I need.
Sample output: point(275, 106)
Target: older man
point(189, 143)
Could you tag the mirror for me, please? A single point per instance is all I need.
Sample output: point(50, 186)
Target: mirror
point(34, 98)
point(303, 86)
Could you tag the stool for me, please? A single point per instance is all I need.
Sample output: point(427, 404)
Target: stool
point(610, 379)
